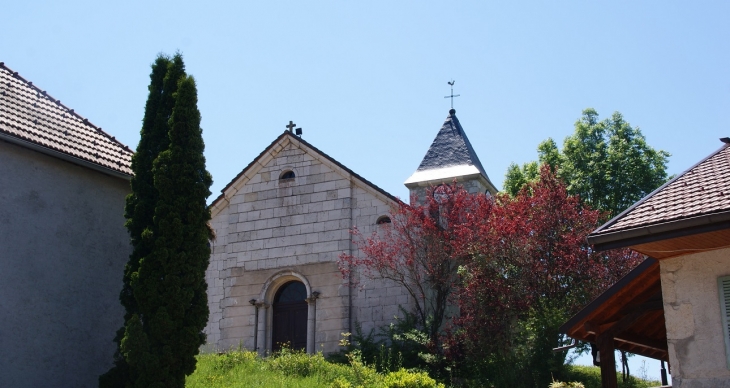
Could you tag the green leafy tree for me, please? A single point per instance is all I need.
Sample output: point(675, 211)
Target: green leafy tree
point(164, 290)
point(607, 163)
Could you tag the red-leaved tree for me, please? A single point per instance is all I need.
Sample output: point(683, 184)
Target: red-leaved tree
point(494, 278)
point(419, 251)
point(530, 269)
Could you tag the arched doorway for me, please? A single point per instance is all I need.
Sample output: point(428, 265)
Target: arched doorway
point(290, 317)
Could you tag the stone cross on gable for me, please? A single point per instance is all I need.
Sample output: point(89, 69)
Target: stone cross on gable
point(291, 126)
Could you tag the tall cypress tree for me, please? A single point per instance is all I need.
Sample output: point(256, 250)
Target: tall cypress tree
point(175, 282)
point(139, 210)
point(150, 289)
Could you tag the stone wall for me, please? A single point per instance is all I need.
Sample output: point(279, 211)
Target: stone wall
point(63, 247)
point(693, 318)
point(271, 230)
point(472, 186)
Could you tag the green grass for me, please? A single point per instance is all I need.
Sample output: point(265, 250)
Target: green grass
point(296, 369)
point(590, 376)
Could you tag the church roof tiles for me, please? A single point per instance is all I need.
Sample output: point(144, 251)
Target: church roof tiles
point(30, 117)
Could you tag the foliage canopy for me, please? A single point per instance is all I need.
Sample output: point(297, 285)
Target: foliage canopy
point(607, 163)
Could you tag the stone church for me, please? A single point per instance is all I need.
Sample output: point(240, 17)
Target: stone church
point(280, 226)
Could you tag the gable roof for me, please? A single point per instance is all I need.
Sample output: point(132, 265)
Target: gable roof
point(696, 201)
point(30, 117)
point(280, 141)
point(634, 302)
point(450, 155)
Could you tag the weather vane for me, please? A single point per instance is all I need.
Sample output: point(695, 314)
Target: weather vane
point(452, 93)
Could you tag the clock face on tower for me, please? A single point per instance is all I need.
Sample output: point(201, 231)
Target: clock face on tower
point(442, 193)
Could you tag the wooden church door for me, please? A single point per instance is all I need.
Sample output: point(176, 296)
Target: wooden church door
point(290, 317)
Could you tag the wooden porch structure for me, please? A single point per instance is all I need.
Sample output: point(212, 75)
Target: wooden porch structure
point(629, 316)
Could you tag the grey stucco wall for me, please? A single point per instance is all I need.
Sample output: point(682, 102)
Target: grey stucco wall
point(693, 318)
point(63, 247)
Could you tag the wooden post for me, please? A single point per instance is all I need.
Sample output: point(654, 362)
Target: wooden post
point(604, 339)
point(608, 361)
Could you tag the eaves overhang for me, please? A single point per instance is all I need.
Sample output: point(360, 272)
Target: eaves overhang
point(596, 303)
point(660, 231)
point(64, 156)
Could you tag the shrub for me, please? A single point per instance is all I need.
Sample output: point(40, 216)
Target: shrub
point(228, 361)
point(559, 384)
point(407, 379)
point(298, 363)
point(341, 382)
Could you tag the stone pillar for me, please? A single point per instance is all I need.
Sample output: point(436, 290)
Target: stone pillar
point(261, 340)
point(311, 321)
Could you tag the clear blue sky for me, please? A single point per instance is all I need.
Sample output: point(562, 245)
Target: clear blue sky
point(366, 80)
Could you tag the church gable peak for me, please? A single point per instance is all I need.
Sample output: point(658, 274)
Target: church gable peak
point(286, 142)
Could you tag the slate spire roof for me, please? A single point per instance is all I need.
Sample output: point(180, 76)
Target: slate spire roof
point(31, 118)
point(450, 156)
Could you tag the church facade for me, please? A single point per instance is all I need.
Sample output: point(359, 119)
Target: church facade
point(280, 227)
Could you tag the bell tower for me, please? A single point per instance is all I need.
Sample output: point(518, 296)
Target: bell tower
point(450, 157)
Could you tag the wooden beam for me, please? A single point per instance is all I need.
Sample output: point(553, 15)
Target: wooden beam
point(652, 304)
point(642, 341)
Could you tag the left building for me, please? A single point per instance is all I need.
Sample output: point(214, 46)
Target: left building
point(63, 245)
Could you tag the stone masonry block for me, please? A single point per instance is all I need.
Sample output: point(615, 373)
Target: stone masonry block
point(289, 201)
point(273, 222)
point(394, 291)
point(319, 196)
point(310, 218)
point(315, 178)
point(303, 189)
point(328, 205)
point(250, 197)
point(285, 261)
point(279, 232)
point(343, 193)
point(297, 219)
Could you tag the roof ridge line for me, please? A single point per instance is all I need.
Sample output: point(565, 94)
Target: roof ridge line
point(69, 110)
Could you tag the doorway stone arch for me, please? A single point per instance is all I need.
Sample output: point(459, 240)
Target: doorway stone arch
point(266, 302)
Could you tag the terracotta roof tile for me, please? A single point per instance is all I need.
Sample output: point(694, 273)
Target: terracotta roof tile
point(28, 113)
point(703, 189)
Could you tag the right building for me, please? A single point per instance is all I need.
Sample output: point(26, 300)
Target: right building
point(676, 305)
